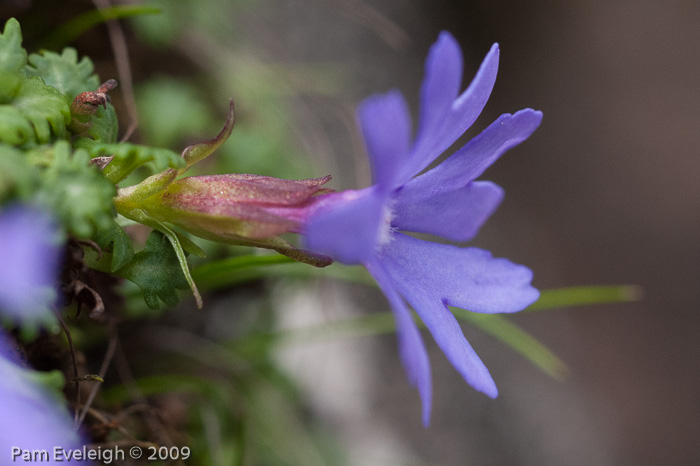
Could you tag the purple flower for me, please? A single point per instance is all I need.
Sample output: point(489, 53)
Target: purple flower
point(364, 227)
point(31, 419)
point(29, 258)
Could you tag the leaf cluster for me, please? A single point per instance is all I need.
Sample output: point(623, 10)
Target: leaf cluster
point(48, 154)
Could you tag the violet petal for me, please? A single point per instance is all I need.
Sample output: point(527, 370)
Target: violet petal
point(411, 347)
point(30, 260)
point(30, 418)
point(458, 117)
point(469, 278)
point(478, 154)
point(347, 228)
point(456, 215)
point(425, 297)
point(386, 128)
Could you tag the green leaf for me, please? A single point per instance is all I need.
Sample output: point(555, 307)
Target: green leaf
point(105, 126)
point(15, 129)
point(156, 270)
point(222, 273)
point(122, 248)
point(76, 192)
point(9, 85)
point(63, 72)
point(45, 107)
point(128, 157)
point(584, 295)
point(17, 178)
point(12, 56)
point(37, 112)
point(517, 339)
point(76, 27)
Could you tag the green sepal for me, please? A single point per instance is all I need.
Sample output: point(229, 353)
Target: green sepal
point(189, 246)
point(128, 157)
point(196, 152)
point(156, 270)
point(63, 72)
point(122, 248)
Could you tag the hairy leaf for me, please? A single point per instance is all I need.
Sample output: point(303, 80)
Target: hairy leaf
point(15, 129)
point(44, 107)
point(128, 157)
point(77, 192)
point(17, 179)
point(122, 249)
point(63, 72)
point(156, 270)
point(12, 56)
point(105, 126)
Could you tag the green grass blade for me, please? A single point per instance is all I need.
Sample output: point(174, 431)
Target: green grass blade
point(77, 26)
point(583, 295)
point(517, 339)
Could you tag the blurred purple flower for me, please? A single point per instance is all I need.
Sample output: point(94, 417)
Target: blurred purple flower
point(30, 417)
point(363, 227)
point(29, 257)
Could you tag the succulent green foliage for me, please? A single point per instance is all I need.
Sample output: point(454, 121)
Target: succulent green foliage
point(104, 127)
point(9, 85)
point(37, 112)
point(30, 111)
point(76, 192)
point(17, 179)
point(63, 72)
point(156, 270)
point(12, 59)
point(16, 130)
point(121, 247)
point(128, 157)
point(45, 108)
point(12, 56)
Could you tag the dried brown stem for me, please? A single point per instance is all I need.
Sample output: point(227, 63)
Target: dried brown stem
point(121, 58)
point(75, 365)
point(127, 377)
point(103, 370)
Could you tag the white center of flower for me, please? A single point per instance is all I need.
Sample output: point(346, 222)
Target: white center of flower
point(385, 230)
